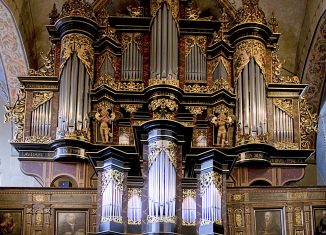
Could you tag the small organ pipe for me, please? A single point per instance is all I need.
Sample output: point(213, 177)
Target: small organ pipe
point(246, 99)
point(252, 92)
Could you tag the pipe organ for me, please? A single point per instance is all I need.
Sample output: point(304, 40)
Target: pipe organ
point(168, 106)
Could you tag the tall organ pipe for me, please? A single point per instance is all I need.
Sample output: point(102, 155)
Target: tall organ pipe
point(164, 52)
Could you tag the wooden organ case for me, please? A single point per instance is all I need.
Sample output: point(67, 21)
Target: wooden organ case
point(169, 114)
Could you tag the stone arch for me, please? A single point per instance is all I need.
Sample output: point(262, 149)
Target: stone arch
point(13, 60)
point(314, 75)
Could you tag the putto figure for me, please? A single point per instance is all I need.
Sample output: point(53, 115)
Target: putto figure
point(106, 119)
point(222, 122)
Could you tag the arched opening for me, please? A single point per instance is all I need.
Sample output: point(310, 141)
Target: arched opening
point(64, 182)
point(259, 183)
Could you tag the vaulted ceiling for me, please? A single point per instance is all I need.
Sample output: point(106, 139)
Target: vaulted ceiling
point(32, 16)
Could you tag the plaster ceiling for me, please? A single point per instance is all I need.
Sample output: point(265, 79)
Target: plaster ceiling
point(32, 16)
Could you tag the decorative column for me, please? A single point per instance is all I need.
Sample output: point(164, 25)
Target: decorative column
point(77, 29)
point(162, 156)
point(214, 169)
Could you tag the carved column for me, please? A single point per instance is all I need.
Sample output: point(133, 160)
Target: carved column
point(214, 169)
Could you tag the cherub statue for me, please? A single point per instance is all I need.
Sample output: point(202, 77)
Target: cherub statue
point(222, 122)
point(104, 117)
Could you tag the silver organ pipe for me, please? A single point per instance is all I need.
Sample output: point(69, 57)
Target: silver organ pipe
point(283, 126)
point(134, 212)
point(211, 204)
point(189, 210)
point(74, 100)
point(251, 92)
point(107, 68)
point(164, 45)
point(195, 65)
point(162, 187)
point(220, 72)
point(41, 119)
point(132, 62)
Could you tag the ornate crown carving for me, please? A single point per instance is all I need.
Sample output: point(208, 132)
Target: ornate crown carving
point(250, 12)
point(77, 8)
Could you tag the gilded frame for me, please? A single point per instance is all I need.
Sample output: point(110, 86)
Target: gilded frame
point(269, 221)
point(69, 222)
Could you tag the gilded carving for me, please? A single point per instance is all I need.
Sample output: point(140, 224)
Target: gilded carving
point(308, 124)
point(115, 176)
point(38, 218)
point(189, 193)
point(298, 216)
point(238, 221)
point(220, 84)
point(173, 5)
point(249, 139)
point(128, 38)
point(237, 197)
point(206, 222)
point(173, 82)
point(195, 88)
point(38, 198)
point(273, 23)
point(250, 12)
point(276, 72)
point(134, 192)
point(82, 46)
point(105, 118)
point(83, 134)
point(77, 8)
point(163, 107)
point(226, 64)
point(156, 147)
point(154, 219)
point(286, 145)
point(209, 178)
point(48, 64)
point(285, 105)
point(119, 86)
point(196, 110)
point(191, 41)
point(112, 219)
point(193, 13)
point(104, 105)
point(221, 108)
point(40, 98)
point(135, 10)
point(131, 108)
point(16, 114)
point(247, 49)
point(200, 137)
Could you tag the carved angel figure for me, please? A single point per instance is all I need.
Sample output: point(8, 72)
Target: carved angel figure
point(222, 122)
point(106, 119)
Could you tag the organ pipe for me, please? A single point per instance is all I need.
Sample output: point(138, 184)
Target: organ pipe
point(41, 118)
point(134, 212)
point(283, 126)
point(164, 45)
point(195, 65)
point(251, 92)
point(189, 209)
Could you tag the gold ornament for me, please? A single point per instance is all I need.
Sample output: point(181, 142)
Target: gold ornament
point(308, 124)
point(156, 147)
point(77, 8)
point(40, 98)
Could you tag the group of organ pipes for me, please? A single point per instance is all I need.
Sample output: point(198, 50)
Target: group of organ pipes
point(132, 76)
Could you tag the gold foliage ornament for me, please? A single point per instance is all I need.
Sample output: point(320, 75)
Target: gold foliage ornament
point(250, 12)
point(308, 124)
point(156, 147)
point(208, 178)
point(191, 41)
point(40, 98)
point(16, 114)
point(77, 8)
point(173, 6)
point(246, 50)
point(82, 46)
point(112, 175)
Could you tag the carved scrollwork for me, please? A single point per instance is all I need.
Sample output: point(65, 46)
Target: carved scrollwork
point(172, 82)
point(38, 139)
point(112, 175)
point(83, 134)
point(156, 147)
point(135, 10)
point(128, 38)
point(206, 222)
point(48, 64)
point(163, 108)
point(308, 124)
point(196, 110)
point(298, 216)
point(16, 114)
point(104, 105)
point(191, 41)
point(40, 98)
point(209, 178)
point(80, 44)
point(222, 109)
point(220, 84)
point(195, 88)
point(286, 145)
point(155, 219)
point(113, 219)
point(77, 8)
point(172, 4)
point(238, 220)
point(284, 104)
point(134, 192)
point(247, 49)
point(131, 108)
point(107, 80)
point(189, 193)
point(250, 12)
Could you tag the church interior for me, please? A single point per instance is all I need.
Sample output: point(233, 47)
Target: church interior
point(163, 117)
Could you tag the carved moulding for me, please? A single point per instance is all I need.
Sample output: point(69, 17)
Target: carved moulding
point(249, 139)
point(156, 147)
point(308, 124)
point(154, 219)
point(82, 45)
point(40, 98)
point(16, 114)
point(77, 8)
point(191, 41)
point(284, 104)
point(83, 134)
point(172, 82)
point(38, 139)
point(244, 51)
point(119, 86)
point(218, 85)
point(286, 145)
point(173, 5)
